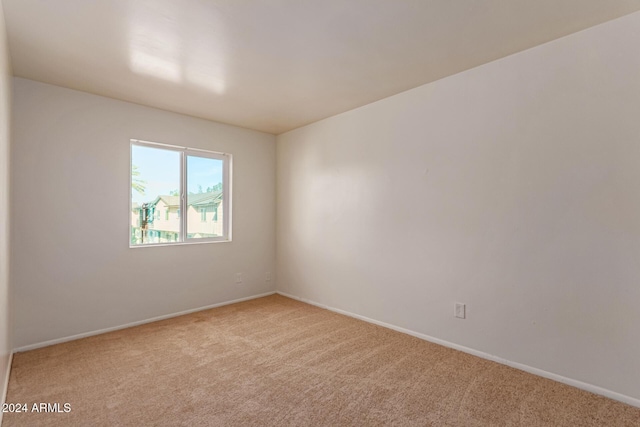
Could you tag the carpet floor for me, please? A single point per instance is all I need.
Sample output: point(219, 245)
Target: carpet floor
point(274, 361)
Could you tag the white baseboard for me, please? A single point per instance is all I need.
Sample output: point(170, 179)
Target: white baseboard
point(535, 371)
point(5, 386)
point(139, 322)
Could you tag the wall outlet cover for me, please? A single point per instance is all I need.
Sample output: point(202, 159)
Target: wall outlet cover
point(460, 310)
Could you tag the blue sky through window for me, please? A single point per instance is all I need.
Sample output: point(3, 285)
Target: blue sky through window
point(203, 173)
point(160, 171)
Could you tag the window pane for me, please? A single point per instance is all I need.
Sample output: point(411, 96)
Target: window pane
point(155, 200)
point(204, 197)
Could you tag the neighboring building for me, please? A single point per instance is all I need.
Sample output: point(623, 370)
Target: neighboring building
point(162, 215)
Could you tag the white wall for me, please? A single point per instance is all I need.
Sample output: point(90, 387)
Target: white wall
point(512, 187)
point(5, 119)
point(73, 273)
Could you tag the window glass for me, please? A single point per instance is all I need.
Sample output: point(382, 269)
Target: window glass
point(205, 195)
point(168, 180)
point(155, 174)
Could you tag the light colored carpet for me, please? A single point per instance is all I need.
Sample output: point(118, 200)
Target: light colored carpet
point(274, 361)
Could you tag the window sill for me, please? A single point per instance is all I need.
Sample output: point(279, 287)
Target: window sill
point(155, 245)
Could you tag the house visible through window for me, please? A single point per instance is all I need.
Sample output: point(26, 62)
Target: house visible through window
point(174, 180)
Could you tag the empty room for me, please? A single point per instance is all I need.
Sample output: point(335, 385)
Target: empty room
point(319, 212)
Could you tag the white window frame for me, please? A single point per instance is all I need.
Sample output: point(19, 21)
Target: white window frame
point(227, 162)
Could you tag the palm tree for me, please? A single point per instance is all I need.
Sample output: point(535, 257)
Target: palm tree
point(137, 184)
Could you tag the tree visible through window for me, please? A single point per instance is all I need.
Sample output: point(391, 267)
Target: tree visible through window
point(172, 180)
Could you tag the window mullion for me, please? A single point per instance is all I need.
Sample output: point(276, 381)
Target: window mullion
point(226, 197)
point(183, 197)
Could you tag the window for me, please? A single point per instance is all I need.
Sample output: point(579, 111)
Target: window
point(178, 179)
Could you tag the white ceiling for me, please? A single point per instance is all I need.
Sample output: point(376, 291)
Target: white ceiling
point(279, 64)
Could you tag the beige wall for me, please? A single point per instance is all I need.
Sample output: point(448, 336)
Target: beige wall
point(76, 274)
point(5, 119)
point(512, 187)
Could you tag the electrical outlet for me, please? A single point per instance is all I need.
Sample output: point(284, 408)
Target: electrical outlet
point(267, 276)
point(238, 278)
point(460, 310)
